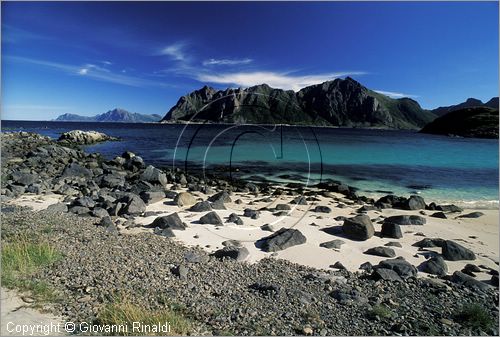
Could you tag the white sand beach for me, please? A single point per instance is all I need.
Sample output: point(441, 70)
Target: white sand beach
point(479, 234)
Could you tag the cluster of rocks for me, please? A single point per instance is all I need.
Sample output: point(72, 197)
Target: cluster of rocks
point(361, 228)
point(79, 137)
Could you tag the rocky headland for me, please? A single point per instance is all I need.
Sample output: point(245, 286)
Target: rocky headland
point(244, 258)
point(477, 122)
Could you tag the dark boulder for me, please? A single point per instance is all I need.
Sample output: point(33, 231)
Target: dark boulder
point(235, 219)
point(449, 208)
point(391, 200)
point(165, 232)
point(338, 265)
point(391, 230)
point(76, 170)
point(405, 220)
point(415, 202)
point(358, 228)
point(435, 266)
point(218, 204)
point(472, 215)
point(211, 218)
point(171, 221)
point(154, 176)
point(367, 266)
point(469, 267)
point(282, 239)
point(99, 212)
point(251, 213)
point(402, 267)
point(222, 196)
point(85, 202)
point(111, 181)
point(494, 280)
point(201, 206)
point(181, 271)
point(429, 243)
point(265, 289)
point(80, 210)
point(468, 281)
point(267, 227)
point(301, 200)
point(106, 222)
point(452, 251)
point(133, 204)
point(134, 164)
point(393, 244)
point(386, 274)
point(334, 244)
point(283, 207)
point(381, 251)
point(232, 252)
point(322, 209)
point(439, 215)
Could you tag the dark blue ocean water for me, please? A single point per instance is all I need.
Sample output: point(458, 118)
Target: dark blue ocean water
point(439, 168)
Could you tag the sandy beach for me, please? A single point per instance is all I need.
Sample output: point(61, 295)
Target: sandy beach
point(480, 234)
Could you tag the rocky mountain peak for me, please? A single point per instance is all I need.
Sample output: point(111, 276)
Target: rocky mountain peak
point(339, 102)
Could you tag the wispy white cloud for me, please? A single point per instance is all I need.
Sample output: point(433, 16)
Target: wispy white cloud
point(393, 94)
point(108, 63)
point(14, 34)
point(277, 80)
point(227, 62)
point(88, 67)
point(91, 71)
point(174, 51)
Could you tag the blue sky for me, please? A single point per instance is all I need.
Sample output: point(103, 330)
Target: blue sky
point(89, 57)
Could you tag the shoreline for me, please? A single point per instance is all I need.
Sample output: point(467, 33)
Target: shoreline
point(228, 124)
point(483, 241)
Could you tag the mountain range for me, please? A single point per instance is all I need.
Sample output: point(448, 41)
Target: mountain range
point(341, 102)
point(115, 115)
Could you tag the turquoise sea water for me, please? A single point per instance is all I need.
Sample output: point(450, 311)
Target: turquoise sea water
point(439, 168)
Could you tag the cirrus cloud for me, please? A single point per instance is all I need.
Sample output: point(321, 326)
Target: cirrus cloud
point(393, 94)
point(285, 81)
point(174, 51)
point(226, 62)
point(90, 71)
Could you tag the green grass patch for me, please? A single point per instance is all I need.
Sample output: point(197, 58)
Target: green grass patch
point(21, 258)
point(123, 313)
point(474, 316)
point(381, 311)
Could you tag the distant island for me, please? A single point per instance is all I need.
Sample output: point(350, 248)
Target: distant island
point(477, 122)
point(114, 116)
